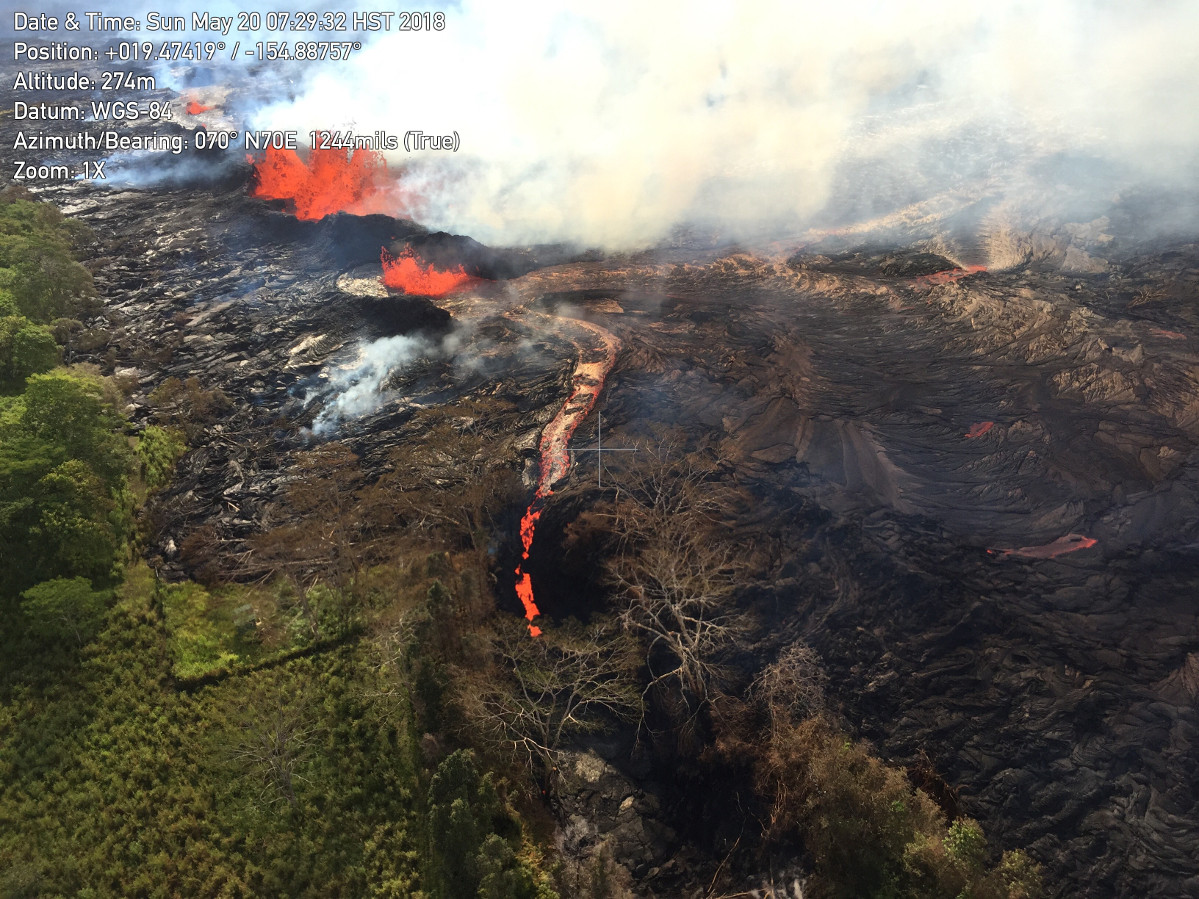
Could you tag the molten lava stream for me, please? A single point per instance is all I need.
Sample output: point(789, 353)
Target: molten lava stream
point(1059, 547)
point(587, 383)
point(948, 277)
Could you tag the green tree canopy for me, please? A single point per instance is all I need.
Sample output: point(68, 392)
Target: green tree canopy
point(64, 608)
point(63, 465)
point(73, 527)
point(37, 265)
point(158, 449)
point(69, 411)
point(25, 349)
point(462, 808)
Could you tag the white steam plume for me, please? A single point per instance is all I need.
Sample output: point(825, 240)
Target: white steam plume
point(357, 389)
point(611, 123)
point(357, 386)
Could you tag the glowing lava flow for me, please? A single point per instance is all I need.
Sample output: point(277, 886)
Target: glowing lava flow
point(330, 181)
point(1059, 547)
point(586, 384)
point(948, 277)
point(194, 107)
point(407, 273)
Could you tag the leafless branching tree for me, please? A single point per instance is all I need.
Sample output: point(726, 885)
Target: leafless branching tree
point(541, 691)
point(792, 688)
point(676, 570)
point(446, 483)
point(394, 633)
point(275, 740)
point(324, 535)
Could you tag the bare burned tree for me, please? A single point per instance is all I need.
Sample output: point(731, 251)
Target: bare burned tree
point(446, 482)
point(324, 531)
point(394, 633)
point(675, 570)
point(793, 687)
point(541, 691)
point(275, 741)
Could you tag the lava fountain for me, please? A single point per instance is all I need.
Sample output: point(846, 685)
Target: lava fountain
point(408, 273)
point(586, 385)
point(329, 181)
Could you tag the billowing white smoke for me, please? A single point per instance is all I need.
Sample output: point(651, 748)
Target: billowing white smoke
point(358, 388)
point(610, 123)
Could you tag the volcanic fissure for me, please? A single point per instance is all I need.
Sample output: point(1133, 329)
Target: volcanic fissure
point(554, 450)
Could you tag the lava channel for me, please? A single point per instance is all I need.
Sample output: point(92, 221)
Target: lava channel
point(586, 385)
point(1059, 547)
point(948, 277)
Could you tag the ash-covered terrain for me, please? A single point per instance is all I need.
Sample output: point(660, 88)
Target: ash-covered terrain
point(972, 448)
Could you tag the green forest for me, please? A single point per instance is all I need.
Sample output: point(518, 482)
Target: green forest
point(351, 715)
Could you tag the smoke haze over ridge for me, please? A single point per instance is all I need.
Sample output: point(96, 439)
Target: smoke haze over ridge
point(613, 125)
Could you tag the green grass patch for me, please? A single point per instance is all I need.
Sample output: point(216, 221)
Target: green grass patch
point(227, 628)
point(114, 783)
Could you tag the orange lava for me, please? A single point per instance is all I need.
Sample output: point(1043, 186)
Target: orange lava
point(527, 524)
point(195, 108)
point(1059, 547)
point(524, 583)
point(524, 589)
point(330, 181)
point(554, 447)
point(948, 277)
point(977, 430)
point(1169, 335)
point(407, 273)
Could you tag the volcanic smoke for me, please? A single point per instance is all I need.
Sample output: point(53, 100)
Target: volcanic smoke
point(331, 181)
point(407, 273)
point(763, 118)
